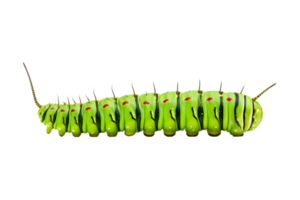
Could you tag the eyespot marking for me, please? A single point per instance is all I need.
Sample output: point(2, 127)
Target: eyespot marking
point(188, 98)
point(105, 105)
point(73, 110)
point(51, 108)
point(62, 110)
point(209, 99)
point(164, 101)
point(146, 102)
point(229, 99)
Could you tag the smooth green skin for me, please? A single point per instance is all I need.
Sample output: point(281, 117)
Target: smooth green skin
point(248, 113)
point(258, 115)
point(127, 120)
point(166, 111)
point(241, 125)
point(189, 113)
point(73, 117)
point(211, 120)
point(42, 111)
point(89, 126)
point(232, 125)
point(49, 126)
point(61, 118)
point(229, 106)
point(108, 124)
point(148, 111)
point(229, 123)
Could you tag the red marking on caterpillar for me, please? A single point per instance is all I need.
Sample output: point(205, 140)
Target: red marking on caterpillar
point(88, 108)
point(146, 102)
point(229, 99)
point(73, 110)
point(188, 98)
point(164, 101)
point(105, 105)
point(62, 110)
point(51, 108)
point(209, 99)
point(45, 107)
point(125, 102)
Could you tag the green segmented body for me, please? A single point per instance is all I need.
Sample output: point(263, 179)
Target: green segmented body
point(193, 111)
point(230, 112)
point(150, 120)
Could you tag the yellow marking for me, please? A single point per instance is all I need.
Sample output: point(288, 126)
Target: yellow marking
point(169, 133)
point(148, 134)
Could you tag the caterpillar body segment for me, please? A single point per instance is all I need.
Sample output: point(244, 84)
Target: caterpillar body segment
point(62, 117)
point(43, 111)
point(169, 117)
point(211, 109)
point(190, 104)
point(248, 110)
point(128, 114)
point(257, 116)
point(234, 109)
point(110, 116)
point(91, 118)
point(49, 117)
point(75, 119)
point(150, 113)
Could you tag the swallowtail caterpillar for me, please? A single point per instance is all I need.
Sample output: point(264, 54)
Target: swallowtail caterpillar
point(193, 111)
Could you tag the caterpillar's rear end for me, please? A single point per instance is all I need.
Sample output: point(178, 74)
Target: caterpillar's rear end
point(232, 112)
point(193, 111)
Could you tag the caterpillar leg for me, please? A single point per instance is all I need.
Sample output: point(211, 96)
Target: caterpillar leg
point(76, 134)
point(48, 132)
point(112, 134)
point(237, 135)
point(129, 133)
point(169, 134)
point(213, 134)
point(94, 135)
point(192, 134)
point(61, 134)
point(148, 134)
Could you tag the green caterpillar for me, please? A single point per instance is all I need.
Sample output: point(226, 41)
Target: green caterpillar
point(171, 111)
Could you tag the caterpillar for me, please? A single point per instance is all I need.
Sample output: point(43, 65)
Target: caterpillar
point(193, 111)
